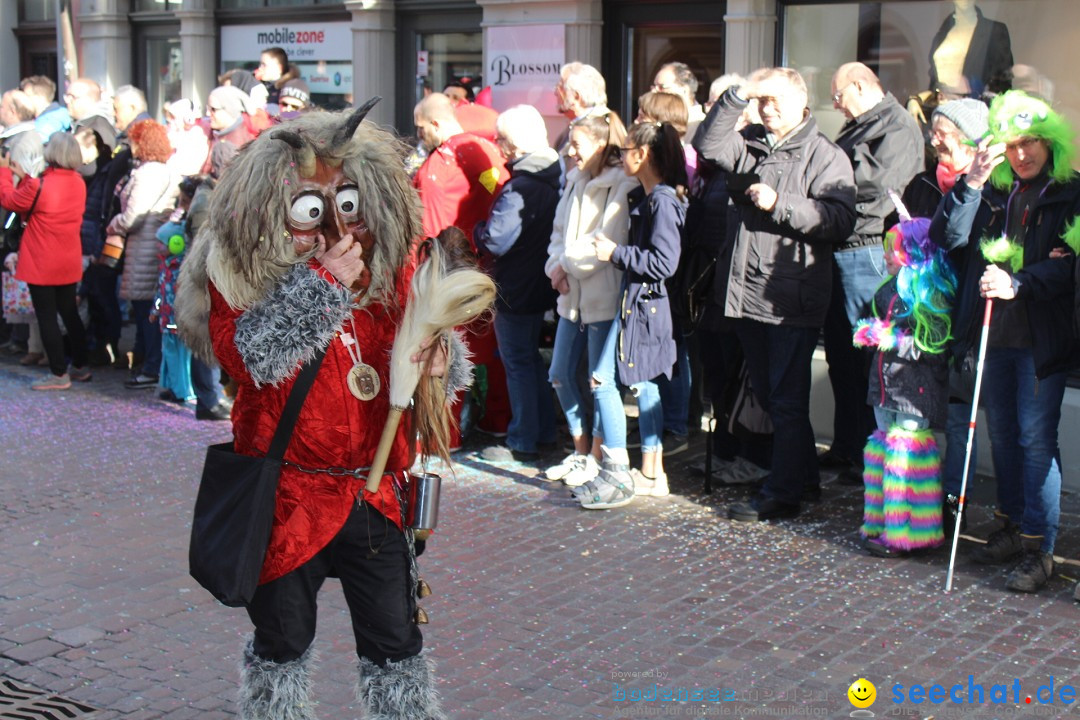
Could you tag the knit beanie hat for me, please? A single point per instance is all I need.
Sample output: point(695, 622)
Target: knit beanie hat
point(968, 115)
point(298, 90)
point(232, 99)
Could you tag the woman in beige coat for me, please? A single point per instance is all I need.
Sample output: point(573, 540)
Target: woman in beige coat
point(593, 205)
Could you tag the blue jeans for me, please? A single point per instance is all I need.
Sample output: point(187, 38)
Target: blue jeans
point(778, 358)
point(205, 381)
point(886, 419)
point(650, 415)
point(675, 393)
point(956, 435)
point(147, 337)
point(600, 340)
point(1022, 415)
point(532, 411)
point(857, 274)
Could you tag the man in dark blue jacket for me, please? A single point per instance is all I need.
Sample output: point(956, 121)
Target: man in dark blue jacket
point(1031, 345)
point(516, 236)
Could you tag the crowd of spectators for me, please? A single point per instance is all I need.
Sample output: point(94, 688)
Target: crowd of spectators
point(681, 262)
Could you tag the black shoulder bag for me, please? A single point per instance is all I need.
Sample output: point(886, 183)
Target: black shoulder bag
point(13, 228)
point(234, 510)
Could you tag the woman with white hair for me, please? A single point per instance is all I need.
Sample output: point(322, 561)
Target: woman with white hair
point(516, 235)
point(50, 253)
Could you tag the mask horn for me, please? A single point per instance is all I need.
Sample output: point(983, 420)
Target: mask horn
point(305, 156)
point(346, 132)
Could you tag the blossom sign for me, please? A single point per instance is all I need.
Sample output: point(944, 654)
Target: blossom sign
point(523, 65)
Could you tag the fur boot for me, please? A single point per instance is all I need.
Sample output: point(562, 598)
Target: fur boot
point(912, 490)
point(402, 690)
point(276, 691)
point(873, 501)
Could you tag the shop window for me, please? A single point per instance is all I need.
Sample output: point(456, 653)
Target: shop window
point(37, 10)
point(154, 5)
point(640, 38)
point(451, 57)
point(241, 4)
point(909, 45)
point(164, 67)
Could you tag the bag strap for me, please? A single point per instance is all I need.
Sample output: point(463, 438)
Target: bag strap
point(289, 415)
point(41, 184)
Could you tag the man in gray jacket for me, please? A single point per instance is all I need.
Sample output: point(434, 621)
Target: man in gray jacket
point(792, 199)
point(885, 148)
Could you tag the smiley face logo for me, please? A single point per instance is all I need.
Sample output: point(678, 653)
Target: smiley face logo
point(862, 693)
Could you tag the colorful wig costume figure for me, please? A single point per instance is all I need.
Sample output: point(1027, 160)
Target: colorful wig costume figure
point(908, 390)
point(253, 295)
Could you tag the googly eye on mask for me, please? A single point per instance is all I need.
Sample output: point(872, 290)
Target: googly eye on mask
point(307, 211)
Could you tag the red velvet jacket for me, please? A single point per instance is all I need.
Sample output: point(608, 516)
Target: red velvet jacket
point(334, 429)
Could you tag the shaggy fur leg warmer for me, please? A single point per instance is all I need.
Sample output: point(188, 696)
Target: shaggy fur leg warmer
point(402, 690)
point(276, 691)
point(912, 490)
point(873, 501)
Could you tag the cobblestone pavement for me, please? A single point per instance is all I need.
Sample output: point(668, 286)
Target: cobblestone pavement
point(541, 609)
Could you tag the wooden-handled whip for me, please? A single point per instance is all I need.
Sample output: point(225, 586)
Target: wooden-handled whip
point(443, 296)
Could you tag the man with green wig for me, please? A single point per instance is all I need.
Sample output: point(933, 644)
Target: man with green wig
point(1019, 258)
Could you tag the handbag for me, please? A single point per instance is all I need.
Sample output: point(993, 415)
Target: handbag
point(234, 509)
point(16, 297)
point(748, 417)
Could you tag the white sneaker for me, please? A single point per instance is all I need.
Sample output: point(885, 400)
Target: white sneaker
point(741, 472)
point(586, 470)
point(651, 487)
point(574, 470)
point(563, 468)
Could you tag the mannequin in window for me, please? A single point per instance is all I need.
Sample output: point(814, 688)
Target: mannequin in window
point(969, 56)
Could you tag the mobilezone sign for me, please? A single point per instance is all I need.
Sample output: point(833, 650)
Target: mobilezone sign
point(322, 51)
point(304, 42)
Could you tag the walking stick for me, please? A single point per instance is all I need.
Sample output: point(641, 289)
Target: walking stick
point(970, 439)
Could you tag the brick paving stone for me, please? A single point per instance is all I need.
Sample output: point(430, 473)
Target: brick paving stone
point(536, 602)
point(78, 636)
point(33, 651)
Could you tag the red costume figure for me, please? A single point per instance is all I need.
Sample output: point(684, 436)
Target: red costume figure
point(306, 248)
point(458, 183)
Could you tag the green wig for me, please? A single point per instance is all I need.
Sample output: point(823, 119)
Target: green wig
point(1071, 236)
point(1003, 251)
point(1015, 114)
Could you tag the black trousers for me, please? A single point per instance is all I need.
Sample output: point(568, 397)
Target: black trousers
point(99, 285)
point(380, 595)
point(48, 301)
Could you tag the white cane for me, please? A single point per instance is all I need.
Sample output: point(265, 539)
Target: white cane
point(970, 439)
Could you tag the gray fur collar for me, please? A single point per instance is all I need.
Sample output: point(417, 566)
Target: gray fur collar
point(404, 689)
point(276, 335)
point(276, 691)
point(459, 375)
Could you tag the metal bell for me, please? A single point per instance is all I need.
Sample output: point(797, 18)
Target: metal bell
point(422, 588)
point(421, 616)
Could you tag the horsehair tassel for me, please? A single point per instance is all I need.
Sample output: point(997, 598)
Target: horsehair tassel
point(441, 298)
point(305, 154)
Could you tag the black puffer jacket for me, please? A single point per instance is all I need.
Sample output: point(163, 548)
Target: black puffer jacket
point(779, 262)
point(906, 379)
point(966, 216)
point(885, 147)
